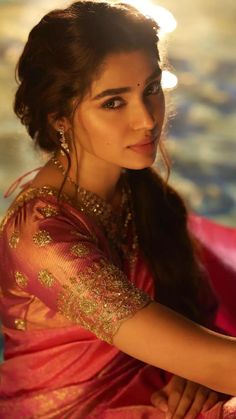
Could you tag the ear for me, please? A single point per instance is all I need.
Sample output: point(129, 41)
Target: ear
point(58, 123)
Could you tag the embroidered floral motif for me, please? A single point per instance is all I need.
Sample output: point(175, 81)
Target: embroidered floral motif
point(21, 279)
point(46, 278)
point(79, 250)
point(14, 239)
point(42, 238)
point(27, 196)
point(100, 298)
point(20, 324)
point(117, 228)
point(48, 211)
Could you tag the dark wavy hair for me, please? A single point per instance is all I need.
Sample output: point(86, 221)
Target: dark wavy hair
point(63, 54)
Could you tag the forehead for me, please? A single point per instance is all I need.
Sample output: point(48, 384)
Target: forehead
point(124, 69)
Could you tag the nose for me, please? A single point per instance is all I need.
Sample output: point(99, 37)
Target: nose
point(142, 117)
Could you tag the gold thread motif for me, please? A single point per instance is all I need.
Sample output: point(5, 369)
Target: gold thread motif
point(20, 324)
point(116, 232)
point(29, 195)
point(45, 278)
point(14, 239)
point(42, 238)
point(48, 211)
point(21, 279)
point(80, 250)
point(47, 402)
point(100, 298)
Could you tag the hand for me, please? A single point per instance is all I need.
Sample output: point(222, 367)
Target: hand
point(181, 398)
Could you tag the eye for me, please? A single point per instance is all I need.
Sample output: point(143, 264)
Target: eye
point(154, 88)
point(114, 103)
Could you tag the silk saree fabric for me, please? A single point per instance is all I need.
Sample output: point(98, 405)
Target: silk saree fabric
point(65, 292)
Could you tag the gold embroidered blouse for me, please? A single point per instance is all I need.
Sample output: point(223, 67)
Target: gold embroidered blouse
point(63, 262)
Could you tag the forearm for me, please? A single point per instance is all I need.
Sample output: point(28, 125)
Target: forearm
point(222, 364)
point(165, 339)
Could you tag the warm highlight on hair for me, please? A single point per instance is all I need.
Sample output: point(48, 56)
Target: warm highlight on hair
point(63, 54)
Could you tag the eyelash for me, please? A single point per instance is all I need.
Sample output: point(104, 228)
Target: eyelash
point(115, 99)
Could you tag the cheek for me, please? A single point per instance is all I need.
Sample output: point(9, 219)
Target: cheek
point(107, 127)
point(100, 124)
point(99, 134)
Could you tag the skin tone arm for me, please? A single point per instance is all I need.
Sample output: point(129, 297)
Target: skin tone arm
point(165, 339)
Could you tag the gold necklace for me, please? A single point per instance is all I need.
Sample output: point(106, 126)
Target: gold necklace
point(116, 226)
point(90, 200)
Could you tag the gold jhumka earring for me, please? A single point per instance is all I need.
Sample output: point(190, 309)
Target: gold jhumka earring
point(64, 143)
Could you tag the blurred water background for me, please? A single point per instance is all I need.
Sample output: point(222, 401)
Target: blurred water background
point(202, 135)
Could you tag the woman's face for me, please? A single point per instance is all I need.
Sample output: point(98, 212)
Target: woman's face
point(119, 122)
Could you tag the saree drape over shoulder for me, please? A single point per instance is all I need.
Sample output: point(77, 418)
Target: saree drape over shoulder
point(65, 292)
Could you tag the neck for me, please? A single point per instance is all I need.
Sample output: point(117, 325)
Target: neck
point(101, 180)
point(94, 175)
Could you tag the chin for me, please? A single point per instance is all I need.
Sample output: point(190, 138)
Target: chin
point(144, 164)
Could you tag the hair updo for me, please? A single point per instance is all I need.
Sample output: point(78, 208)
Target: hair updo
point(63, 54)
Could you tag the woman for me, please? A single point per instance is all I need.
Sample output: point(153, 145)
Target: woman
point(102, 290)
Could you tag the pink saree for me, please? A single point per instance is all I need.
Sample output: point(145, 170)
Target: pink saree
point(64, 294)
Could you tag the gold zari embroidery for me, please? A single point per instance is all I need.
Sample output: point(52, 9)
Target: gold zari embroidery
point(50, 401)
point(21, 279)
point(100, 298)
point(27, 196)
point(14, 239)
point(46, 278)
point(42, 238)
point(117, 226)
point(79, 250)
point(48, 211)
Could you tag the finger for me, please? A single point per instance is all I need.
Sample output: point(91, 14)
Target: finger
point(200, 398)
point(175, 395)
point(159, 400)
point(174, 402)
point(186, 401)
point(211, 401)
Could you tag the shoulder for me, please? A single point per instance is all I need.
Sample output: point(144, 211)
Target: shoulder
point(36, 213)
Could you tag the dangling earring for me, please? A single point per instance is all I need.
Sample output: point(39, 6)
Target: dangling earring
point(64, 144)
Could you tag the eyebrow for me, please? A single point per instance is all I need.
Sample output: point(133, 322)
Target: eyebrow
point(117, 91)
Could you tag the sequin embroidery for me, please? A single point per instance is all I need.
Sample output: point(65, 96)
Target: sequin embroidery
point(42, 238)
point(48, 211)
point(100, 298)
point(21, 279)
point(117, 226)
point(14, 239)
point(27, 196)
point(79, 250)
point(46, 278)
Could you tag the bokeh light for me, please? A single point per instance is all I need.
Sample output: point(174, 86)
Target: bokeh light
point(169, 80)
point(163, 16)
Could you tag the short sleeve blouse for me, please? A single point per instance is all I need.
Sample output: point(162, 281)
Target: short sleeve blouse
point(54, 255)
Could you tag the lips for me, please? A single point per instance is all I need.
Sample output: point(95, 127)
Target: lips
point(145, 141)
point(146, 146)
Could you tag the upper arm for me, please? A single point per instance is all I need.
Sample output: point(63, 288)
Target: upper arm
point(69, 273)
